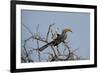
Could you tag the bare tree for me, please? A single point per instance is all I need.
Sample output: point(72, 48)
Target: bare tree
point(54, 55)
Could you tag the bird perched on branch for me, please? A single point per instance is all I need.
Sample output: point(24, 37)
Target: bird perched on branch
point(60, 38)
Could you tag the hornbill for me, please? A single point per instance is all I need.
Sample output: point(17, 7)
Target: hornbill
point(60, 38)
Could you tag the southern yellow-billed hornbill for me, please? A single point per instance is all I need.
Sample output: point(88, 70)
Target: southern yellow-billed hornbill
point(60, 38)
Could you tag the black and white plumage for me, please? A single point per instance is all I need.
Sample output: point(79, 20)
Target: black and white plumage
point(60, 38)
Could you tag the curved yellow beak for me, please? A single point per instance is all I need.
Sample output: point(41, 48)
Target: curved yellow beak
point(67, 30)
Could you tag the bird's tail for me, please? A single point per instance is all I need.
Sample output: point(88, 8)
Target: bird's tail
point(44, 47)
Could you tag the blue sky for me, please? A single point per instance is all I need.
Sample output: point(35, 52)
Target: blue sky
point(78, 22)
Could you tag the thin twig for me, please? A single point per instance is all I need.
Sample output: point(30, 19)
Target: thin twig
point(40, 39)
point(65, 47)
point(68, 50)
point(55, 54)
point(27, 55)
point(38, 43)
point(48, 31)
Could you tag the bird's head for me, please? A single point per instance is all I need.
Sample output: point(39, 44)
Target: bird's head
point(67, 30)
